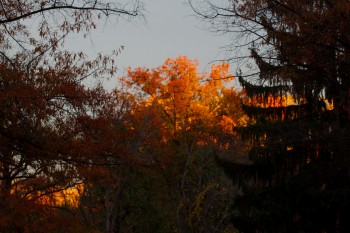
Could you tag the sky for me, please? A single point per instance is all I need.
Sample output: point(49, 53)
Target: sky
point(171, 29)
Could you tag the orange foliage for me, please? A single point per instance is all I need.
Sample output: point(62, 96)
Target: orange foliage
point(182, 100)
point(68, 197)
point(274, 101)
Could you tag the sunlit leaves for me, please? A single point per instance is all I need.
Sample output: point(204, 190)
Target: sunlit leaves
point(186, 100)
point(180, 116)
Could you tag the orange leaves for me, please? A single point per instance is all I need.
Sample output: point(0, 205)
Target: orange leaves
point(68, 197)
point(142, 78)
point(274, 101)
point(220, 74)
point(183, 99)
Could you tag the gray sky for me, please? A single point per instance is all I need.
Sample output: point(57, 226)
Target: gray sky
point(171, 30)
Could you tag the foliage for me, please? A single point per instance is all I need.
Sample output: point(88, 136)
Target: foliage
point(296, 178)
point(186, 100)
point(75, 158)
point(183, 116)
point(54, 129)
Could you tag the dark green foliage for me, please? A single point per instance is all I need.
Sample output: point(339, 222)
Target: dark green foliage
point(303, 203)
point(297, 178)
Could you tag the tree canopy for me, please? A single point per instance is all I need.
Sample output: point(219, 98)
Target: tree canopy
point(172, 149)
point(183, 116)
point(54, 128)
point(297, 180)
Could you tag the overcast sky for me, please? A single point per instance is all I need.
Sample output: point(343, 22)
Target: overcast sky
point(171, 30)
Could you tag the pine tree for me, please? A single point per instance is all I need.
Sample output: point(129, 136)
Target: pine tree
point(297, 179)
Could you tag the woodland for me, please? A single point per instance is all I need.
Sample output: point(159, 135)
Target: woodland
point(173, 149)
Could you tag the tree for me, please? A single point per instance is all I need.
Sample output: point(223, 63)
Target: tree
point(297, 179)
point(54, 128)
point(182, 116)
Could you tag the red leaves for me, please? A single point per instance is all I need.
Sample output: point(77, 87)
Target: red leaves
point(52, 130)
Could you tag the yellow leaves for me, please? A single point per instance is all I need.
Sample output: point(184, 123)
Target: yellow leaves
point(197, 208)
point(68, 197)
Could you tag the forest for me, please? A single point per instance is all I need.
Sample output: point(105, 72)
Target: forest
point(173, 149)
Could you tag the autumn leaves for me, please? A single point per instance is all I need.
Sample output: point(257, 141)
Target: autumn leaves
point(160, 125)
point(181, 117)
point(185, 100)
point(76, 158)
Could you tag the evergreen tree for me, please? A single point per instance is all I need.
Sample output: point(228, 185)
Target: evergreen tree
point(297, 179)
